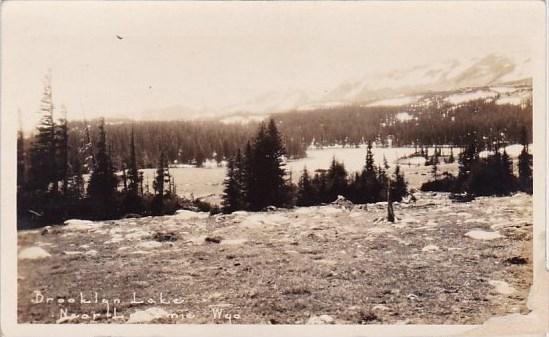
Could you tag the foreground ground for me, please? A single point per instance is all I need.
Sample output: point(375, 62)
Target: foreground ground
point(439, 263)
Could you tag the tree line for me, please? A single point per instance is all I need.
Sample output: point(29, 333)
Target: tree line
point(430, 124)
point(52, 185)
point(256, 179)
point(493, 175)
point(194, 142)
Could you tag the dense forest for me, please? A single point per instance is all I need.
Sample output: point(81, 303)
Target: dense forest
point(52, 163)
point(194, 142)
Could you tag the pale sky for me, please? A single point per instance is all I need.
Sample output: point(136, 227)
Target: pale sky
point(216, 54)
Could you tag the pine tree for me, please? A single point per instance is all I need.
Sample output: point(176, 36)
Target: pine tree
point(62, 146)
point(336, 180)
point(133, 173)
point(268, 186)
point(232, 192)
point(434, 170)
point(158, 186)
point(525, 165)
point(305, 190)
point(158, 183)
point(77, 183)
point(133, 202)
point(390, 211)
point(43, 170)
point(399, 187)
point(247, 175)
point(21, 157)
point(103, 181)
point(320, 186)
point(451, 158)
point(371, 185)
point(508, 180)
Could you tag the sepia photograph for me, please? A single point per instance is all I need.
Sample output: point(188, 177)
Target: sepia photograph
point(255, 163)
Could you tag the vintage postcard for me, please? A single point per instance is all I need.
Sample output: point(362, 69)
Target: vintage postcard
point(275, 168)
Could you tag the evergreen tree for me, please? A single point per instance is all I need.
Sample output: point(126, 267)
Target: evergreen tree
point(21, 167)
point(306, 195)
point(103, 181)
point(434, 170)
point(62, 146)
point(133, 173)
point(468, 157)
point(76, 183)
point(247, 175)
point(320, 186)
point(371, 185)
point(508, 180)
point(525, 165)
point(399, 188)
point(451, 158)
point(336, 180)
point(268, 186)
point(43, 170)
point(133, 202)
point(158, 186)
point(233, 194)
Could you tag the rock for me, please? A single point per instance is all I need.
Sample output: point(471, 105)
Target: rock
point(149, 244)
point(33, 253)
point(164, 236)
point(270, 208)
point(72, 253)
point(429, 248)
point(342, 202)
point(322, 319)
point(368, 317)
point(479, 234)
point(502, 287)
point(91, 252)
point(412, 297)
point(131, 215)
point(214, 239)
point(380, 307)
point(461, 197)
point(516, 260)
point(147, 316)
point(184, 214)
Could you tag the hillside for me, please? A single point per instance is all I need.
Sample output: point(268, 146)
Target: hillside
point(439, 263)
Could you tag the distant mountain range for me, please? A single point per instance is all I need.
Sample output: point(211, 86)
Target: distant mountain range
point(502, 77)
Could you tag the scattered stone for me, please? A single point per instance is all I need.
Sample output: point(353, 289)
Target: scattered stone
point(322, 319)
point(502, 287)
point(33, 253)
point(342, 202)
point(461, 197)
point(184, 214)
point(516, 260)
point(91, 252)
point(213, 239)
point(164, 236)
point(149, 244)
point(45, 230)
point(430, 248)
point(412, 297)
point(368, 317)
point(380, 307)
point(147, 316)
point(479, 234)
